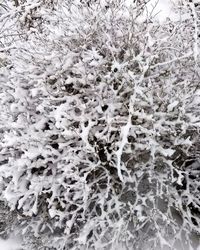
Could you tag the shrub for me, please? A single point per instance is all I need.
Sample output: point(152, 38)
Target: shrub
point(102, 116)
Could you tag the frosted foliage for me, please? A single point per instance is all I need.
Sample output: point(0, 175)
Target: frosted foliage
point(99, 121)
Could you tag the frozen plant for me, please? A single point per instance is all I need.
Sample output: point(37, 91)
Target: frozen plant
point(99, 121)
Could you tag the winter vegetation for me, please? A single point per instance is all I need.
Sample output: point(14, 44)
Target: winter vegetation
point(99, 125)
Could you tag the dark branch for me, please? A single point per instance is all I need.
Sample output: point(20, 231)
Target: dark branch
point(16, 3)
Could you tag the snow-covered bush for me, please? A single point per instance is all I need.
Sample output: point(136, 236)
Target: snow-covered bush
point(99, 121)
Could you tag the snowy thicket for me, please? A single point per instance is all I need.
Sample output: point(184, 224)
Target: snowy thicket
point(99, 121)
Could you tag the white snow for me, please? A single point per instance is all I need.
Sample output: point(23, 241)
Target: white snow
point(172, 105)
point(162, 9)
point(12, 243)
point(158, 10)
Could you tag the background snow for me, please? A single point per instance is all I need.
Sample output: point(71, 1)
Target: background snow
point(10, 244)
point(162, 9)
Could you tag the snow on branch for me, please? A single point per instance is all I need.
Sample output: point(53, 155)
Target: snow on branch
point(99, 121)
